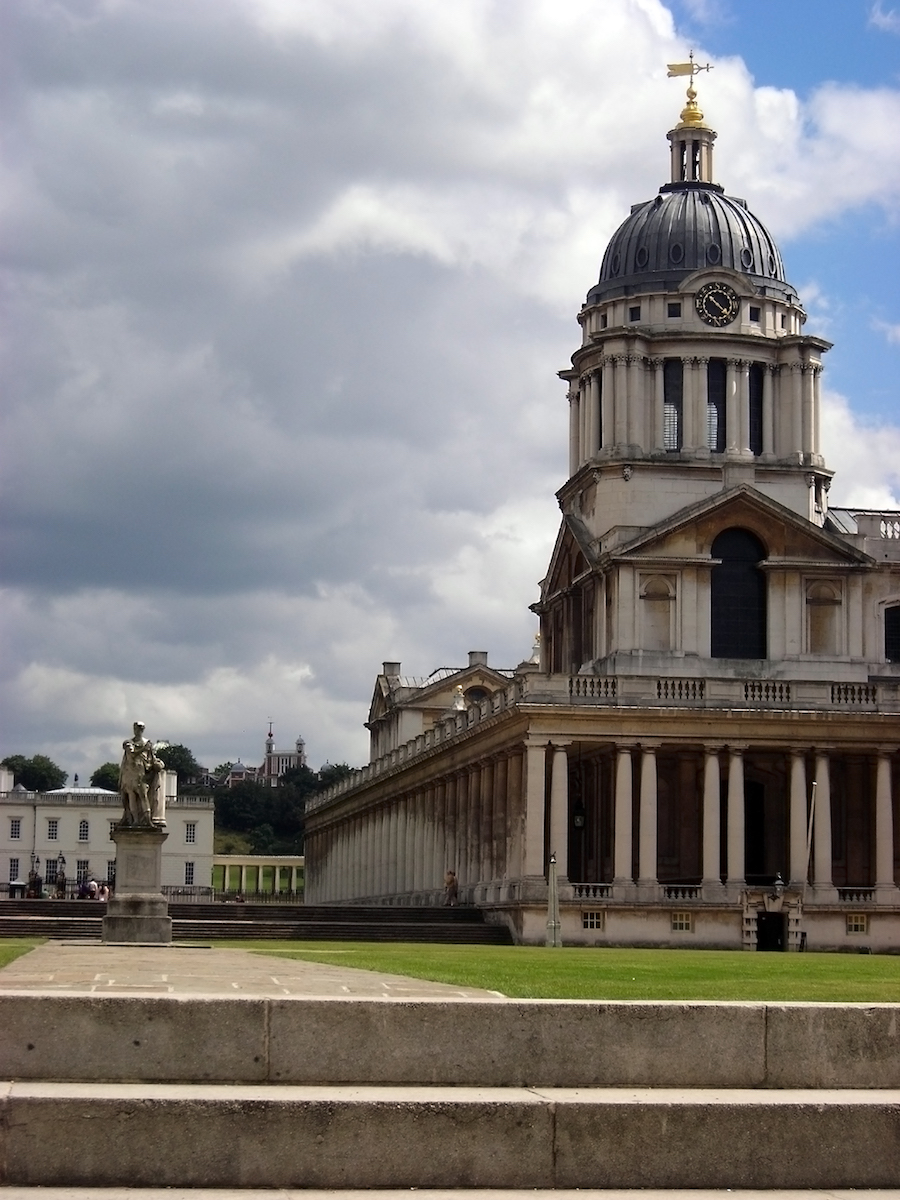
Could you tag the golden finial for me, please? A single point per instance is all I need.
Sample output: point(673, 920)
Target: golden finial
point(690, 114)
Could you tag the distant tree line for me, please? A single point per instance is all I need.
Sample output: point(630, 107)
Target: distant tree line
point(272, 819)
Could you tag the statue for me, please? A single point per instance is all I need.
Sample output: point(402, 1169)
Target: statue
point(141, 782)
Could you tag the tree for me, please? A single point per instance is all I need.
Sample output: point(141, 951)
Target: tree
point(332, 773)
point(107, 777)
point(38, 774)
point(181, 760)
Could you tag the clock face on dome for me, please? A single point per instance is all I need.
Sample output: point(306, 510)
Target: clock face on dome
point(717, 304)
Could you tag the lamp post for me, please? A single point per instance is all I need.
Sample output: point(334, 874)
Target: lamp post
point(554, 936)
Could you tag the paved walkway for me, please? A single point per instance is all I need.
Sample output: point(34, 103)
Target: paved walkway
point(81, 967)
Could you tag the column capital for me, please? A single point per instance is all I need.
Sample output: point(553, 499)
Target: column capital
point(650, 746)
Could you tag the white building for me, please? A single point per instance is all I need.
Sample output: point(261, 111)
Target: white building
point(70, 829)
point(720, 661)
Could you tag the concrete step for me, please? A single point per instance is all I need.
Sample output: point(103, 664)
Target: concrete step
point(188, 1135)
point(448, 1193)
point(500, 1043)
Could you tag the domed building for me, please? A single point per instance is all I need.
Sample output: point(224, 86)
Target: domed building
point(704, 748)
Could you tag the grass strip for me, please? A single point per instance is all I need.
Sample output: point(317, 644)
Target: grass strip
point(13, 948)
point(600, 973)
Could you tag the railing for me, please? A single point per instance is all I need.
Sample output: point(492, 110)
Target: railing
point(767, 691)
point(592, 687)
point(591, 891)
point(681, 689)
point(854, 694)
point(682, 891)
point(856, 895)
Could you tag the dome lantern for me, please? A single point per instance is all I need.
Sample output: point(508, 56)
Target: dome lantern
point(691, 139)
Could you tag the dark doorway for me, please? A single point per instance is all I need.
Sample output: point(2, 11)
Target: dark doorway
point(771, 931)
point(755, 832)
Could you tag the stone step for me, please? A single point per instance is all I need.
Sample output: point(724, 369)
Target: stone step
point(449, 1193)
point(189, 1135)
point(500, 1043)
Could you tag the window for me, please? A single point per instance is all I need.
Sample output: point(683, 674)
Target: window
point(673, 310)
point(82, 870)
point(673, 393)
point(857, 922)
point(188, 874)
point(83, 831)
point(754, 314)
point(604, 320)
point(682, 922)
point(592, 920)
point(715, 405)
point(756, 407)
point(892, 634)
point(52, 829)
point(50, 870)
point(13, 870)
point(783, 321)
point(634, 312)
point(190, 832)
point(111, 872)
point(15, 828)
point(737, 596)
point(823, 605)
point(112, 825)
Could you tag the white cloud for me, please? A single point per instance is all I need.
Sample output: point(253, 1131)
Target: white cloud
point(890, 331)
point(865, 456)
point(885, 19)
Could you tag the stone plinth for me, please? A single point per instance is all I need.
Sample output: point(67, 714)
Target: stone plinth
point(138, 912)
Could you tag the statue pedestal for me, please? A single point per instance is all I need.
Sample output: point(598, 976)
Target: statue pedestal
point(138, 912)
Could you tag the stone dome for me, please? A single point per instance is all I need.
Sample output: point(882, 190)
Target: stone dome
point(687, 227)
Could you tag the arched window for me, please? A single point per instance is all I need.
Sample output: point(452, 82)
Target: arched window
point(892, 633)
point(657, 596)
point(738, 596)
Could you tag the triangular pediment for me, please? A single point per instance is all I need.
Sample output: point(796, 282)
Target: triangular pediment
point(787, 537)
point(573, 555)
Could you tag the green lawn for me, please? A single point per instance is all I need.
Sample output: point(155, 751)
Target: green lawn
point(616, 974)
point(13, 948)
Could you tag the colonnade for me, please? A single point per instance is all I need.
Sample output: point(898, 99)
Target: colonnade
point(620, 403)
point(495, 821)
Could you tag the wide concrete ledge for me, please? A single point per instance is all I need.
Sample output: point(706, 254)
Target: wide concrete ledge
point(109, 1135)
point(508, 1043)
point(447, 1193)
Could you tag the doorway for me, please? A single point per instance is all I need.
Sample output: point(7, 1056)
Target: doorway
point(771, 931)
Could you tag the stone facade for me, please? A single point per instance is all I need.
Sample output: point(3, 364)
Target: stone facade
point(708, 742)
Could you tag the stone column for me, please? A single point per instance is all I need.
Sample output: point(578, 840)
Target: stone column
point(796, 448)
point(636, 408)
point(659, 405)
point(809, 434)
point(574, 424)
point(499, 832)
point(689, 439)
point(595, 435)
point(817, 410)
point(768, 410)
point(732, 406)
point(473, 827)
point(799, 818)
point(451, 850)
point(486, 830)
point(886, 888)
point(622, 845)
point(607, 403)
point(744, 404)
point(648, 869)
point(621, 400)
point(735, 831)
point(462, 816)
point(515, 816)
point(822, 876)
point(712, 824)
point(559, 810)
point(534, 809)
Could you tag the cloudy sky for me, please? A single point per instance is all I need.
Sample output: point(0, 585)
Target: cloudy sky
point(287, 285)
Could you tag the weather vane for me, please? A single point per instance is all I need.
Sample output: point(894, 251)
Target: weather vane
point(691, 114)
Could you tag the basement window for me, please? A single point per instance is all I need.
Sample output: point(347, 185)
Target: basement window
point(857, 923)
point(593, 919)
point(682, 922)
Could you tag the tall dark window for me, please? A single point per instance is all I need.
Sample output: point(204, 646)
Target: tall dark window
point(673, 400)
point(756, 408)
point(738, 596)
point(892, 634)
point(715, 405)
